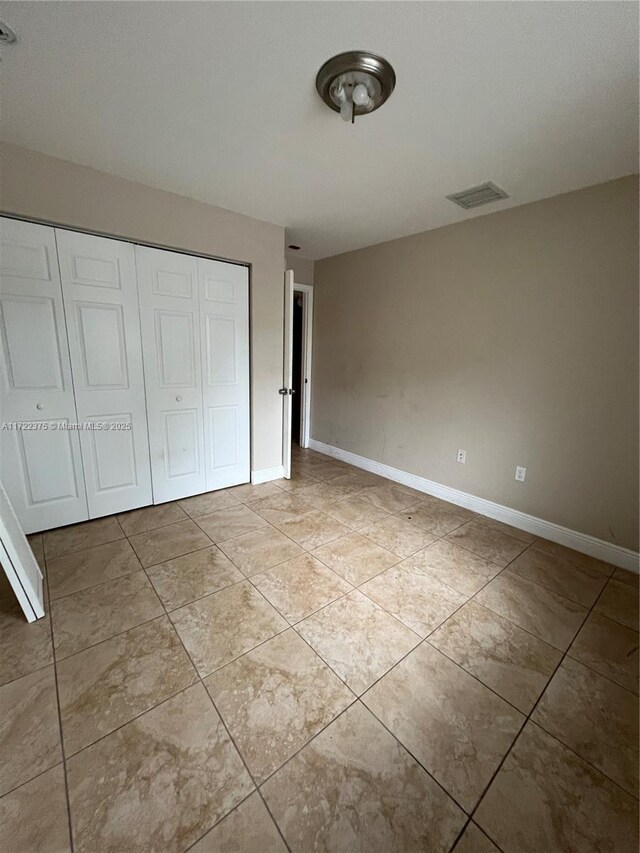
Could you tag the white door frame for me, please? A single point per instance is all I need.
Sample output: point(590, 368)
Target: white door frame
point(19, 563)
point(307, 353)
point(287, 367)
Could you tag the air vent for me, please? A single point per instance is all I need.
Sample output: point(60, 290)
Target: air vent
point(474, 197)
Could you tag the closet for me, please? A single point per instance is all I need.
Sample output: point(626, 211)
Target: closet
point(147, 346)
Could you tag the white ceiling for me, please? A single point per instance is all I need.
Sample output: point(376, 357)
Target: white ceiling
point(216, 101)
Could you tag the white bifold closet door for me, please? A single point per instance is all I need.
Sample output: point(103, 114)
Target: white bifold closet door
point(40, 464)
point(224, 321)
point(99, 287)
point(169, 315)
point(195, 333)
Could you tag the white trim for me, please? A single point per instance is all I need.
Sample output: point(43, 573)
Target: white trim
point(265, 475)
point(607, 551)
point(307, 353)
point(19, 563)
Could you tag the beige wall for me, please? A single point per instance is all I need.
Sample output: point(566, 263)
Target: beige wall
point(40, 187)
point(302, 268)
point(512, 335)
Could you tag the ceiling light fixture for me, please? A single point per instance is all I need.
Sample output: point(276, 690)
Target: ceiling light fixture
point(355, 83)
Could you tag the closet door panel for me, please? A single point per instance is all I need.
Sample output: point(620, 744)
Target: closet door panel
point(99, 285)
point(224, 313)
point(40, 466)
point(170, 314)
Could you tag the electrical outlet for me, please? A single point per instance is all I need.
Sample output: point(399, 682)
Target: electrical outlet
point(521, 473)
point(462, 456)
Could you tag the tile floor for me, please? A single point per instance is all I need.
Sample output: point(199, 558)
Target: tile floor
point(330, 663)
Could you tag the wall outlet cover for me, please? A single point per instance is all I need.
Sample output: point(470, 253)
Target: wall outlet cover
point(521, 473)
point(462, 457)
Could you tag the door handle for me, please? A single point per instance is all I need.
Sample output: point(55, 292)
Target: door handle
point(291, 391)
point(39, 406)
point(283, 391)
point(178, 399)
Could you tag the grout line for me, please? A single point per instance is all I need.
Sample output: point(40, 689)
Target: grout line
point(219, 821)
point(293, 627)
point(60, 729)
point(226, 728)
point(529, 715)
point(584, 760)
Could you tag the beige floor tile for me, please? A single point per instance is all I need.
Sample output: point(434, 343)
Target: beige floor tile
point(356, 512)
point(219, 628)
point(208, 502)
point(619, 602)
point(398, 535)
point(595, 718)
point(359, 640)
point(436, 516)
point(546, 798)
point(281, 507)
point(473, 840)
point(324, 496)
point(300, 586)
point(87, 617)
point(610, 649)
point(456, 567)
point(76, 537)
point(253, 491)
point(158, 783)
point(105, 686)
point(230, 522)
point(260, 550)
point(630, 578)
point(576, 557)
point(417, 599)
point(358, 479)
point(354, 788)
point(158, 546)
point(299, 480)
point(337, 489)
point(33, 818)
point(29, 729)
point(500, 526)
point(487, 542)
point(25, 646)
point(36, 543)
point(150, 517)
point(248, 829)
point(510, 661)
point(184, 579)
point(83, 569)
point(391, 498)
point(559, 575)
point(457, 728)
point(312, 529)
point(275, 699)
point(327, 470)
point(550, 617)
point(355, 558)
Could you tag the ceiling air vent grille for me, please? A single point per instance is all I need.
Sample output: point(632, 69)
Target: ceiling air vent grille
point(474, 197)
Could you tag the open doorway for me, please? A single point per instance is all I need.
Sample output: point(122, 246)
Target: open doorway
point(296, 390)
point(301, 364)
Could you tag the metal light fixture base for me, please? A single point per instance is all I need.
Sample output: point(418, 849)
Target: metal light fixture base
point(354, 61)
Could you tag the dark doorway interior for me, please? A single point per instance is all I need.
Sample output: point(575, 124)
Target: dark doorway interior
point(298, 379)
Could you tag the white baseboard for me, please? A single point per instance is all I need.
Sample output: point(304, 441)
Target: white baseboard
point(264, 475)
point(610, 553)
